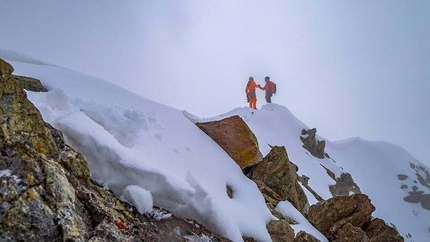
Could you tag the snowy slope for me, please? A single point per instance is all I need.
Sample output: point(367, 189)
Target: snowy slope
point(374, 166)
point(151, 154)
point(148, 153)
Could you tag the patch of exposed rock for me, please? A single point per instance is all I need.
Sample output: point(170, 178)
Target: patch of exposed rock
point(312, 144)
point(302, 236)
point(423, 178)
point(30, 84)
point(46, 193)
point(235, 138)
point(344, 186)
point(5, 69)
point(348, 218)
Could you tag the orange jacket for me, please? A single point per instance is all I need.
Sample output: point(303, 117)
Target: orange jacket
point(251, 86)
point(269, 87)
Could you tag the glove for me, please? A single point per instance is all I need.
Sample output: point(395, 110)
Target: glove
point(247, 99)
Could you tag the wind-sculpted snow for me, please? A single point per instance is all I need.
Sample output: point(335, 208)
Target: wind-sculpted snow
point(144, 150)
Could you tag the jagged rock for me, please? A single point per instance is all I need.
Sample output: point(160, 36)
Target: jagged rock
point(344, 185)
point(46, 193)
point(343, 219)
point(280, 230)
point(402, 177)
point(21, 121)
point(279, 174)
point(30, 84)
point(302, 236)
point(414, 197)
point(379, 231)
point(348, 233)
point(422, 180)
point(5, 69)
point(269, 195)
point(330, 215)
point(312, 144)
point(234, 136)
point(425, 201)
point(305, 182)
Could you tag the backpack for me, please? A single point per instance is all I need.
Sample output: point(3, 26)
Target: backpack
point(274, 88)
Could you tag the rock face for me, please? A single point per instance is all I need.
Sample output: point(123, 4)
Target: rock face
point(5, 69)
point(379, 231)
point(30, 84)
point(344, 185)
point(278, 173)
point(46, 193)
point(21, 121)
point(305, 237)
point(344, 218)
point(310, 143)
point(234, 136)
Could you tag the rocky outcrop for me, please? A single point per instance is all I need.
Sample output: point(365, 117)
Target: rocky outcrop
point(280, 175)
point(46, 193)
point(304, 180)
point(312, 144)
point(21, 121)
point(344, 186)
point(348, 218)
point(276, 178)
point(423, 178)
point(234, 136)
point(5, 69)
point(30, 84)
point(378, 230)
point(280, 230)
point(302, 236)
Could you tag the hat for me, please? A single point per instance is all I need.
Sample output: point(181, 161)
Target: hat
point(267, 78)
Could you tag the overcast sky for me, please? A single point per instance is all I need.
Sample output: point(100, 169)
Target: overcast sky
point(348, 68)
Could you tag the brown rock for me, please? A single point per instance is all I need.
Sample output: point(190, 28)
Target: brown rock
point(305, 182)
point(379, 231)
point(348, 233)
point(302, 236)
point(425, 201)
point(21, 121)
point(30, 84)
point(402, 177)
point(5, 69)
point(268, 194)
point(414, 197)
point(312, 144)
point(279, 174)
point(330, 215)
point(234, 136)
point(280, 230)
point(344, 185)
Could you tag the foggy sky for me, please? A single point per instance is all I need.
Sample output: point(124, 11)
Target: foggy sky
point(355, 68)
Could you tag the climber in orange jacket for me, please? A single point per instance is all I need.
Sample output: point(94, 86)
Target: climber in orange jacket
point(250, 93)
